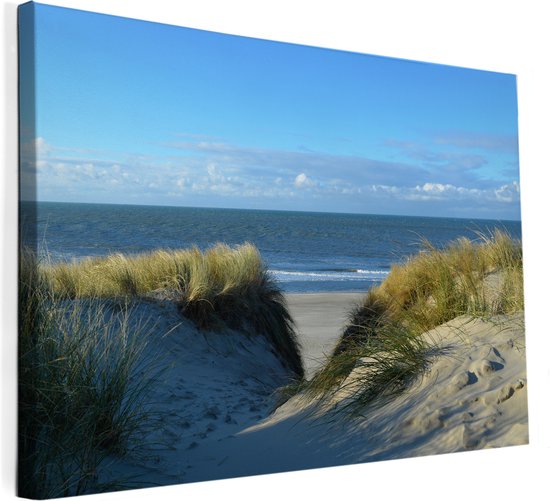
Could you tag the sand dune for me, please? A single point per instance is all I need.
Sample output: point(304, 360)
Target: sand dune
point(215, 400)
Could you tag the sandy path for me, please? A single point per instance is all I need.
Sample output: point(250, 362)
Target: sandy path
point(215, 402)
point(319, 321)
point(472, 397)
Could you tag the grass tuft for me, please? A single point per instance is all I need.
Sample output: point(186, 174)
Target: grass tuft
point(228, 287)
point(221, 287)
point(382, 346)
point(437, 285)
point(77, 401)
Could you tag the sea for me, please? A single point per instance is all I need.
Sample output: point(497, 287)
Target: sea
point(304, 251)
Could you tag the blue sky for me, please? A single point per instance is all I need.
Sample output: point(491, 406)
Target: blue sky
point(140, 113)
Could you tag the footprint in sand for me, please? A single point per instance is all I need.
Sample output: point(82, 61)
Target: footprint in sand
point(212, 412)
point(203, 434)
point(434, 421)
point(505, 393)
point(485, 366)
point(456, 384)
point(427, 422)
point(519, 384)
point(229, 419)
point(467, 416)
point(508, 391)
point(490, 422)
point(471, 438)
point(463, 379)
point(491, 363)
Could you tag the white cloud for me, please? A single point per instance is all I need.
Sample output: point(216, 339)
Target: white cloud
point(215, 176)
point(42, 148)
point(436, 187)
point(439, 191)
point(34, 153)
point(508, 192)
point(302, 181)
point(281, 163)
point(235, 176)
point(88, 169)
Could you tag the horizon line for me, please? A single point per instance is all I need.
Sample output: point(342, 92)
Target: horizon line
point(272, 210)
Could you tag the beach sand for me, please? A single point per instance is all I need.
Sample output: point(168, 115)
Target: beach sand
point(319, 321)
point(216, 405)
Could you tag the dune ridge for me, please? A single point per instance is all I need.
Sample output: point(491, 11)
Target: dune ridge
point(253, 381)
point(220, 421)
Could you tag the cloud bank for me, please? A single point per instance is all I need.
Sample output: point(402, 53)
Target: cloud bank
point(202, 172)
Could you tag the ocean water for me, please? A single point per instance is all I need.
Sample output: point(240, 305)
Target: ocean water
point(305, 251)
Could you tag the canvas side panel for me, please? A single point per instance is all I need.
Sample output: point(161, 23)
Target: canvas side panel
point(27, 217)
point(27, 124)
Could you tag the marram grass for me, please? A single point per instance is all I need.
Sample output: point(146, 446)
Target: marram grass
point(476, 278)
point(382, 343)
point(221, 269)
point(78, 403)
point(220, 287)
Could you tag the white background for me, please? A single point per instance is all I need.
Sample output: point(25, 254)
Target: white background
point(506, 36)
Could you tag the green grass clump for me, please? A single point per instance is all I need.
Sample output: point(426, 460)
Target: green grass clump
point(117, 275)
point(77, 401)
point(221, 287)
point(383, 365)
point(382, 342)
point(231, 287)
point(463, 278)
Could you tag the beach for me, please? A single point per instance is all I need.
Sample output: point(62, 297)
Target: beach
point(320, 318)
point(210, 371)
point(217, 403)
point(315, 261)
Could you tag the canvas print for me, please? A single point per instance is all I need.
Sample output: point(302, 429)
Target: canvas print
point(241, 257)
